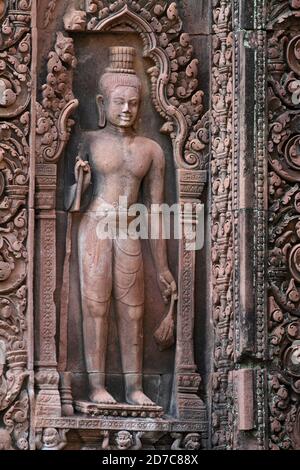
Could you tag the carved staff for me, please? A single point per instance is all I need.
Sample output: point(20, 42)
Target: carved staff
point(66, 394)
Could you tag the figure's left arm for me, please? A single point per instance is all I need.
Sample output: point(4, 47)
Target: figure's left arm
point(154, 194)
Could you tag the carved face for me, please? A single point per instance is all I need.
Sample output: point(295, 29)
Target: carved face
point(50, 437)
point(22, 444)
point(122, 106)
point(124, 440)
point(192, 442)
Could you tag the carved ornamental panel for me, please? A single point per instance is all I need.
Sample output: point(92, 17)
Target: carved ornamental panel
point(186, 112)
point(148, 59)
point(16, 249)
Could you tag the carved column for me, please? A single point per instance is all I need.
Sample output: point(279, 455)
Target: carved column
point(249, 202)
point(53, 128)
point(47, 378)
point(190, 406)
point(239, 213)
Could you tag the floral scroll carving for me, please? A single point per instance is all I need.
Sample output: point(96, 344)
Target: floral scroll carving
point(15, 92)
point(222, 223)
point(280, 10)
point(54, 123)
point(16, 421)
point(284, 223)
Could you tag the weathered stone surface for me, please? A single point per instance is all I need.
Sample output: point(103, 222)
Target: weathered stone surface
point(191, 102)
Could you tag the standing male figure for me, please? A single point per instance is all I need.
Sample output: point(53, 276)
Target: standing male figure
point(121, 164)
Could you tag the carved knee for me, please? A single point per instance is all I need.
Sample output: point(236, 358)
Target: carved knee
point(92, 308)
point(136, 313)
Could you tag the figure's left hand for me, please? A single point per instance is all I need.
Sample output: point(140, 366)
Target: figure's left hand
point(167, 285)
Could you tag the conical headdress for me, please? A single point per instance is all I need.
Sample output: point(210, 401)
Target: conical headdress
point(120, 71)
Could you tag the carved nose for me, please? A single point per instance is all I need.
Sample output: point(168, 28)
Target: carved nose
point(125, 108)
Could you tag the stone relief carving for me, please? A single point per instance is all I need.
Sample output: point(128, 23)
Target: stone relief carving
point(222, 221)
point(49, 13)
point(53, 122)
point(51, 439)
point(249, 205)
point(190, 441)
point(122, 440)
point(284, 325)
point(125, 440)
point(237, 337)
point(174, 88)
point(16, 423)
point(175, 94)
point(5, 440)
point(113, 266)
point(280, 10)
point(15, 93)
point(181, 106)
point(53, 130)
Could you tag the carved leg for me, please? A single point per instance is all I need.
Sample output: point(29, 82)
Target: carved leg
point(95, 331)
point(95, 259)
point(130, 326)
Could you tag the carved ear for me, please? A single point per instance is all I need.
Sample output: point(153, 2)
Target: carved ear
point(101, 111)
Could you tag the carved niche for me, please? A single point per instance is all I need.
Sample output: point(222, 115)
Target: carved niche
point(176, 97)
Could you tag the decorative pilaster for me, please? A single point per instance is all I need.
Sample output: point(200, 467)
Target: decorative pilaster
point(249, 204)
point(222, 223)
point(53, 130)
point(190, 406)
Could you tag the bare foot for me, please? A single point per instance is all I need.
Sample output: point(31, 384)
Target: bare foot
point(101, 396)
point(139, 398)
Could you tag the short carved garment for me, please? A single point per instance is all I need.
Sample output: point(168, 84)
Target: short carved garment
point(109, 267)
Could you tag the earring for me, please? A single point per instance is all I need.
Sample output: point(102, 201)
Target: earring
point(101, 111)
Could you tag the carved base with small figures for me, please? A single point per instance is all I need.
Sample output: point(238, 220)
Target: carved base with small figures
point(117, 432)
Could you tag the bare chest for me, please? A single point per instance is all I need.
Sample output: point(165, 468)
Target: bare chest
point(119, 157)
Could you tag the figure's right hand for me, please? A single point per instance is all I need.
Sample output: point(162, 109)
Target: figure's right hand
point(85, 167)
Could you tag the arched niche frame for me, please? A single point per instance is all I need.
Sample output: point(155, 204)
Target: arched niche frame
point(176, 97)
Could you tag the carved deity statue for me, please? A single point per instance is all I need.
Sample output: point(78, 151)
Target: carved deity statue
point(117, 162)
